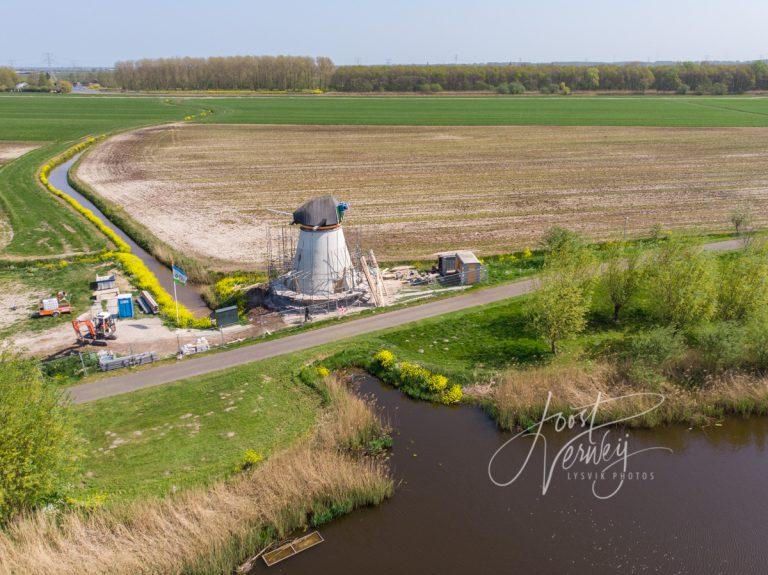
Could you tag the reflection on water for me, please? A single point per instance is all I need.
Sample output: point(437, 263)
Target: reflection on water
point(703, 512)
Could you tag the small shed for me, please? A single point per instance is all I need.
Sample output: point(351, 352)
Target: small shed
point(463, 264)
point(226, 316)
point(105, 282)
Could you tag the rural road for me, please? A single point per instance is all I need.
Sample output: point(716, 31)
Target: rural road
point(215, 362)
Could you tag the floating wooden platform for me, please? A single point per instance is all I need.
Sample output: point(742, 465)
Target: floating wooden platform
point(294, 547)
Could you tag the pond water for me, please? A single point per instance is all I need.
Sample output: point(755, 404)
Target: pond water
point(703, 511)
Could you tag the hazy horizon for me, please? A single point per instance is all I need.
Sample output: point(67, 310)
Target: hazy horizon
point(89, 34)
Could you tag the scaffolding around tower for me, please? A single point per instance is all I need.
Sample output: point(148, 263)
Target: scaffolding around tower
point(315, 269)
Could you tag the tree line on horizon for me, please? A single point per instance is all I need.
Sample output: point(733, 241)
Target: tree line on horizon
point(704, 78)
point(303, 73)
point(225, 73)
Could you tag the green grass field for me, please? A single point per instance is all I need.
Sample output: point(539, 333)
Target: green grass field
point(56, 118)
point(192, 432)
point(487, 111)
point(43, 226)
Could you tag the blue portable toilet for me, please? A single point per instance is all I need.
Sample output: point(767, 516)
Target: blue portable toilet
point(125, 305)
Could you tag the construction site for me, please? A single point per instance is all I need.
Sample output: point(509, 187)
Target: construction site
point(314, 272)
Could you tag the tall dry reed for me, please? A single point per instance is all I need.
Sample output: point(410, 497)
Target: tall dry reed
point(211, 530)
point(519, 398)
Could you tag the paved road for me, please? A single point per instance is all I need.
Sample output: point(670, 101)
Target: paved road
point(215, 362)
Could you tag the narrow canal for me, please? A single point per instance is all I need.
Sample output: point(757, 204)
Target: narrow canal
point(187, 294)
point(703, 511)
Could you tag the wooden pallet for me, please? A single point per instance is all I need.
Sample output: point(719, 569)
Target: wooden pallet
point(290, 549)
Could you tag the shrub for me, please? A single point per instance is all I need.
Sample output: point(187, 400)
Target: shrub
point(516, 88)
point(756, 338)
point(452, 395)
point(743, 292)
point(502, 88)
point(385, 358)
point(413, 376)
point(557, 239)
point(654, 347)
point(720, 347)
point(646, 356)
point(38, 441)
point(415, 380)
point(436, 382)
point(249, 460)
point(681, 283)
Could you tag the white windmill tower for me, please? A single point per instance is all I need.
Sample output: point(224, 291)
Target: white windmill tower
point(322, 269)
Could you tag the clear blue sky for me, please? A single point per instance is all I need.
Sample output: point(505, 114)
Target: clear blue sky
point(89, 32)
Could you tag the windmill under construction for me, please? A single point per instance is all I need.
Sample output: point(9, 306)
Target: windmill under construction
point(322, 271)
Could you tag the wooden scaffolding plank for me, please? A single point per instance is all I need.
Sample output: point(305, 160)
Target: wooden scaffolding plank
point(371, 282)
point(379, 278)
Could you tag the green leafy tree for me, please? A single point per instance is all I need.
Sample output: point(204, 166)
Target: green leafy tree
point(622, 276)
point(743, 290)
point(8, 79)
point(760, 72)
point(682, 285)
point(562, 302)
point(557, 239)
point(567, 250)
point(64, 86)
point(741, 218)
point(591, 80)
point(560, 306)
point(37, 437)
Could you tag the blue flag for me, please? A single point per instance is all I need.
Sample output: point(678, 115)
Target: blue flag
point(178, 275)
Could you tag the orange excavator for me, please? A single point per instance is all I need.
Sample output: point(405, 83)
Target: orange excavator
point(97, 331)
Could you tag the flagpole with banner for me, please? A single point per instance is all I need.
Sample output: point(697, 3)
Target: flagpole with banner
point(178, 277)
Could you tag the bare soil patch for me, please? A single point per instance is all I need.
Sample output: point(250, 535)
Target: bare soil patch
point(416, 190)
point(12, 150)
point(17, 302)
